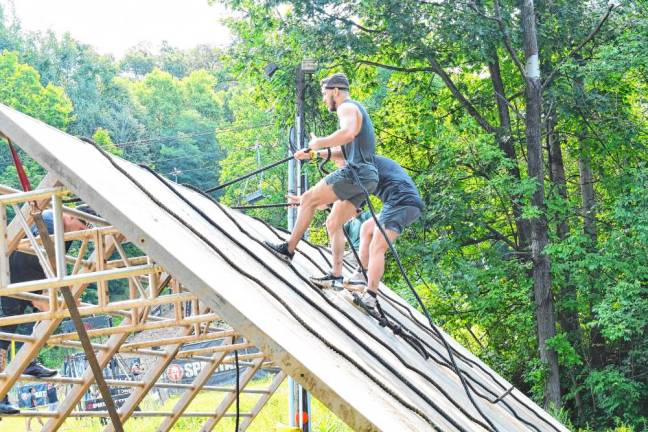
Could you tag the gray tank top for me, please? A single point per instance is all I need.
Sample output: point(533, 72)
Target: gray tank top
point(362, 149)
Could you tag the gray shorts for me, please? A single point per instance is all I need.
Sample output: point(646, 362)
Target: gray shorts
point(346, 189)
point(396, 218)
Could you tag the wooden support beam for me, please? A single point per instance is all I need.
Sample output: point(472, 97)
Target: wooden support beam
point(94, 310)
point(205, 318)
point(230, 398)
point(34, 195)
point(188, 396)
point(274, 385)
point(214, 349)
point(83, 278)
point(54, 414)
point(4, 249)
point(15, 230)
point(152, 375)
point(179, 339)
point(58, 379)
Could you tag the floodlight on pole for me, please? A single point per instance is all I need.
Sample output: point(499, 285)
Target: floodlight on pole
point(308, 66)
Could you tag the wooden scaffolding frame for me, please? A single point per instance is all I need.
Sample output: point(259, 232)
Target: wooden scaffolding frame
point(149, 286)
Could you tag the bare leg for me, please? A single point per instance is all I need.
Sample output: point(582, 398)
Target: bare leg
point(366, 234)
point(377, 250)
point(342, 212)
point(318, 195)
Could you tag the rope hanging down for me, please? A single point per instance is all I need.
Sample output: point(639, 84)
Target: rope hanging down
point(382, 319)
point(306, 298)
point(272, 271)
point(356, 179)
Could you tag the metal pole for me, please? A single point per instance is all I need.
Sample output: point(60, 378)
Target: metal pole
point(293, 396)
point(298, 397)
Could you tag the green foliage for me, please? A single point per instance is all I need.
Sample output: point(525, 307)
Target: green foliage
point(21, 89)
point(102, 137)
point(426, 73)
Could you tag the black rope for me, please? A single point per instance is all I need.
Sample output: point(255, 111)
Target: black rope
point(356, 179)
point(238, 391)
point(311, 330)
point(407, 335)
point(329, 301)
point(250, 174)
point(443, 362)
point(243, 272)
point(323, 312)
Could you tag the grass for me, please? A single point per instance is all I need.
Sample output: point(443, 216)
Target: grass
point(274, 413)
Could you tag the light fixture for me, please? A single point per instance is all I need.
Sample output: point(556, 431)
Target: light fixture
point(308, 66)
point(270, 69)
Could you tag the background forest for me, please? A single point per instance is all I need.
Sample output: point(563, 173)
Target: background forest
point(524, 124)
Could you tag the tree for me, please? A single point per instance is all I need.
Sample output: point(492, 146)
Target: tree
point(21, 89)
point(454, 98)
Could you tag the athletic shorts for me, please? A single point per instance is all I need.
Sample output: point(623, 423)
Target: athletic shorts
point(396, 218)
point(346, 189)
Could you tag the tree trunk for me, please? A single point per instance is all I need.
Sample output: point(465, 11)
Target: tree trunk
point(539, 230)
point(597, 342)
point(587, 193)
point(568, 312)
point(597, 349)
point(505, 140)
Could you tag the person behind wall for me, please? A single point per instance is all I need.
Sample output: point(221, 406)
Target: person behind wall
point(355, 140)
point(25, 267)
point(52, 397)
point(33, 405)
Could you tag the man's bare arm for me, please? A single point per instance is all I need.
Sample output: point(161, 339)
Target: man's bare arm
point(350, 125)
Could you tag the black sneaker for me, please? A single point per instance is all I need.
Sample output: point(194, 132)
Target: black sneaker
point(281, 250)
point(6, 408)
point(327, 281)
point(36, 369)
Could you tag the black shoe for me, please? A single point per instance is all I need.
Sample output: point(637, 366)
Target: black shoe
point(327, 281)
point(281, 250)
point(6, 408)
point(36, 369)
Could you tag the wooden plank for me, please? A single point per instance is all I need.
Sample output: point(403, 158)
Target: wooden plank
point(272, 388)
point(183, 402)
point(231, 398)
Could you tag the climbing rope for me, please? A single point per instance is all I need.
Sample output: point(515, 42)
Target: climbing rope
point(238, 391)
point(315, 333)
point(384, 321)
point(224, 256)
point(250, 174)
point(356, 179)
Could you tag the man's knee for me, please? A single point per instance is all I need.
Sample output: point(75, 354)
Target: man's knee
point(333, 223)
point(366, 230)
point(318, 195)
point(378, 243)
